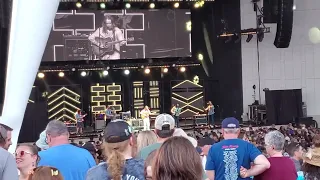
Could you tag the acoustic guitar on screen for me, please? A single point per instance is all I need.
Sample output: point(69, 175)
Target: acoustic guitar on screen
point(106, 46)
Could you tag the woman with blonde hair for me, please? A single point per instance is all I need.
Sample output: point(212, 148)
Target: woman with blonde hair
point(26, 158)
point(45, 173)
point(119, 149)
point(145, 138)
point(177, 159)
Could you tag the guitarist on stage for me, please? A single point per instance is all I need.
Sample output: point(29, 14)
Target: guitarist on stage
point(210, 112)
point(145, 113)
point(176, 114)
point(109, 31)
point(79, 117)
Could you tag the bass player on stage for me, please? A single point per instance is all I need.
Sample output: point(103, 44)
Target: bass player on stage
point(107, 40)
point(109, 115)
point(210, 112)
point(145, 113)
point(79, 118)
point(176, 111)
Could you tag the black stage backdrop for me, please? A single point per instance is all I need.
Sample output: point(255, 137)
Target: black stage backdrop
point(3, 62)
point(34, 122)
point(224, 87)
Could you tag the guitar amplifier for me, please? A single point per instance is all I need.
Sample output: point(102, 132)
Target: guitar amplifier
point(201, 119)
point(72, 127)
point(100, 124)
point(77, 48)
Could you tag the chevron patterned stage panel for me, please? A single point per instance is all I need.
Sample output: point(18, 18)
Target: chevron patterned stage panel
point(189, 95)
point(63, 102)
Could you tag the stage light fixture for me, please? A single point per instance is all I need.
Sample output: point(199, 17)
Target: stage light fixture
point(78, 5)
point(196, 5)
point(188, 26)
point(61, 74)
point(250, 36)
point(40, 75)
point(126, 72)
point(105, 73)
point(176, 5)
point(128, 5)
point(83, 73)
point(182, 69)
point(200, 57)
point(102, 5)
point(152, 5)
point(147, 71)
point(165, 70)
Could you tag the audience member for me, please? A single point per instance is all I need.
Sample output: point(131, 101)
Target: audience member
point(145, 138)
point(295, 152)
point(119, 148)
point(45, 173)
point(92, 150)
point(73, 162)
point(148, 165)
point(164, 129)
point(311, 166)
point(41, 143)
point(8, 166)
point(225, 158)
point(27, 158)
point(281, 167)
point(177, 159)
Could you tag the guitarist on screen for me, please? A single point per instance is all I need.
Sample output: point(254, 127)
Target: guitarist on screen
point(107, 40)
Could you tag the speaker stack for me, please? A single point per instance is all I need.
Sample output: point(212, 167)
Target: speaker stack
point(284, 23)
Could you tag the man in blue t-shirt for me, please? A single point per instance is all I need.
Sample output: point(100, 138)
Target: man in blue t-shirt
point(225, 158)
point(73, 162)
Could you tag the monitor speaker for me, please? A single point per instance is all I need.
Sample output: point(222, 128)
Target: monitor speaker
point(284, 23)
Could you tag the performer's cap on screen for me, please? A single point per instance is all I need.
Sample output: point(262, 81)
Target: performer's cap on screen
point(117, 131)
point(164, 122)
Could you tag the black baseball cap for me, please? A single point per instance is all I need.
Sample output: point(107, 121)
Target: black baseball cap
point(117, 131)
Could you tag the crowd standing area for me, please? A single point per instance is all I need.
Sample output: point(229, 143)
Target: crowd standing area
point(166, 153)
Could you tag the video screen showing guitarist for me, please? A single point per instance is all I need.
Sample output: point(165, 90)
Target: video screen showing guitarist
point(107, 40)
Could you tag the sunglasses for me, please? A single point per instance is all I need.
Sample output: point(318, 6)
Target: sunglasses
point(22, 153)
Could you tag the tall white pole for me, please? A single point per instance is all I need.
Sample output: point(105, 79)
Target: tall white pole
point(31, 23)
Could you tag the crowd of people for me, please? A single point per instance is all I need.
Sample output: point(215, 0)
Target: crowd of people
point(166, 153)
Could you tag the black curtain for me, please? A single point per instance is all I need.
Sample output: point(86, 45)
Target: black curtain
point(283, 106)
point(34, 122)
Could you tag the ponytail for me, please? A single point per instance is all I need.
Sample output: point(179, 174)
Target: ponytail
point(115, 164)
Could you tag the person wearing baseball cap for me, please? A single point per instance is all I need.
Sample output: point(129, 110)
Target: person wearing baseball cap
point(231, 158)
point(164, 128)
point(119, 148)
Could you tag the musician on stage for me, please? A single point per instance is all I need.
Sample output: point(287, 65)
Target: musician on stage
point(145, 113)
point(210, 113)
point(79, 118)
point(173, 109)
point(108, 31)
point(176, 114)
point(109, 115)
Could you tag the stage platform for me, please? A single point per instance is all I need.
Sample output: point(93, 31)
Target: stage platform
point(90, 132)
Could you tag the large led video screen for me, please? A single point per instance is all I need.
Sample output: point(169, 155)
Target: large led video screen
point(119, 34)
